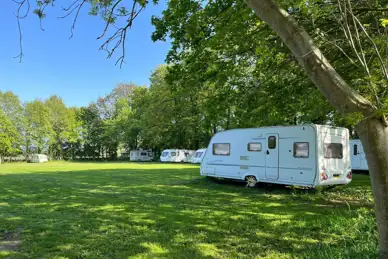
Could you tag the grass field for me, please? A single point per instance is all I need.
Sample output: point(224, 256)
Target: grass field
point(128, 210)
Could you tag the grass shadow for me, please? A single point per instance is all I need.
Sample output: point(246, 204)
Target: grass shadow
point(141, 212)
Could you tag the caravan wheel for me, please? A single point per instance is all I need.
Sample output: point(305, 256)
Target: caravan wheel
point(251, 181)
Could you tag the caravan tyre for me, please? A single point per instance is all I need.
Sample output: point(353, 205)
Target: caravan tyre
point(251, 181)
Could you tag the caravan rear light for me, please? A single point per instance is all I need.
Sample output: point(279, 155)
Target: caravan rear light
point(323, 176)
point(349, 175)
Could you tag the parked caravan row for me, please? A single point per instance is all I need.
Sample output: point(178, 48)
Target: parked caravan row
point(310, 155)
point(169, 155)
point(176, 155)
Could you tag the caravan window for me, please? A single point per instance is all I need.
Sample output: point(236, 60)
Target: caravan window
point(355, 151)
point(173, 153)
point(301, 149)
point(143, 153)
point(271, 142)
point(254, 147)
point(186, 154)
point(221, 149)
point(165, 153)
point(198, 154)
point(333, 150)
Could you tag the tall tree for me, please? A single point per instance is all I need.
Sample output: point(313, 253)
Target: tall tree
point(13, 110)
point(64, 126)
point(38, 131)
point(9, 137)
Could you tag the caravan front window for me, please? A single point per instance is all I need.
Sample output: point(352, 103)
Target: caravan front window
point(173, 153)
point(221, 149)
point(165, 153)
point(198, 154)
point(333, 150)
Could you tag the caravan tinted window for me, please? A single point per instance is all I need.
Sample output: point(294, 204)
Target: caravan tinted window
point(301, 149)
point(198, 154)
point(333, 150)
point(254, 147)
point(173, 153)
point(165, 153)
point(221, 149)
point(143, 153)
point(271, 142)
point(355, 151)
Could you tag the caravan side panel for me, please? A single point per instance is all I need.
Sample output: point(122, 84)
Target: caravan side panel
point(241, 152)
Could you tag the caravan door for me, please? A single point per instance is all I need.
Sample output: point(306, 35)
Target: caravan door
point(272, 157)
point(356, 155)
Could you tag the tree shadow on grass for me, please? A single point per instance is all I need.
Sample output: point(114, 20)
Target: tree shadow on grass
point(170, 213)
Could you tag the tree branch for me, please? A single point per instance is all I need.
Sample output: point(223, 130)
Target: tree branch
point(120, 35)
point(110, 17)
point(18, 18)
point(319, 70)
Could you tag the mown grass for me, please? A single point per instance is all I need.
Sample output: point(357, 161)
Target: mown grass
point(128, 210)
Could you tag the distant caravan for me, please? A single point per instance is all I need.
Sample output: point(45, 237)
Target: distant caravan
point(176, 155)
point(198, 156)
point(358, 155)
point(309, 155)
point(141, 155)
point(37, 158)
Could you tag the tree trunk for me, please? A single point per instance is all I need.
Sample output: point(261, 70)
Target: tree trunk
point(374, 137)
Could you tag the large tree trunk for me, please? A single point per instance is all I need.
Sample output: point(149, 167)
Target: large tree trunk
point(374, 137)
point(372, 131)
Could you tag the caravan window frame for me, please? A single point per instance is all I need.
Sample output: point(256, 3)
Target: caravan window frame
point(255, 150)
point(218, 154)
point(295, 149)
point(327, 145)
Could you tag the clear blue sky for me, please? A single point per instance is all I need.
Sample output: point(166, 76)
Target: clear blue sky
point(73, 69)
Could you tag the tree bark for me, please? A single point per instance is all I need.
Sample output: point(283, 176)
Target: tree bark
point(374, 138)
point(372, 131)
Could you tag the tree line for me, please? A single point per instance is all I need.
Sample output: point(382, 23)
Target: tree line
point(170, 113)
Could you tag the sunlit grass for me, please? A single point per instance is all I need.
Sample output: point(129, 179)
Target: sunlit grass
point(130, 210)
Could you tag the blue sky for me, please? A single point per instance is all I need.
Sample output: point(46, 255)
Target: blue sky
point(73, 69)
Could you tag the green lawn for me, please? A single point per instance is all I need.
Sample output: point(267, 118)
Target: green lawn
point(128, 210)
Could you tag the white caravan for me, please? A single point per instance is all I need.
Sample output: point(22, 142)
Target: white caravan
point(358, 155)
point(199, 155)
point(176, 155)
point(37, 158)
point(141, 155)
point(307, 155)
